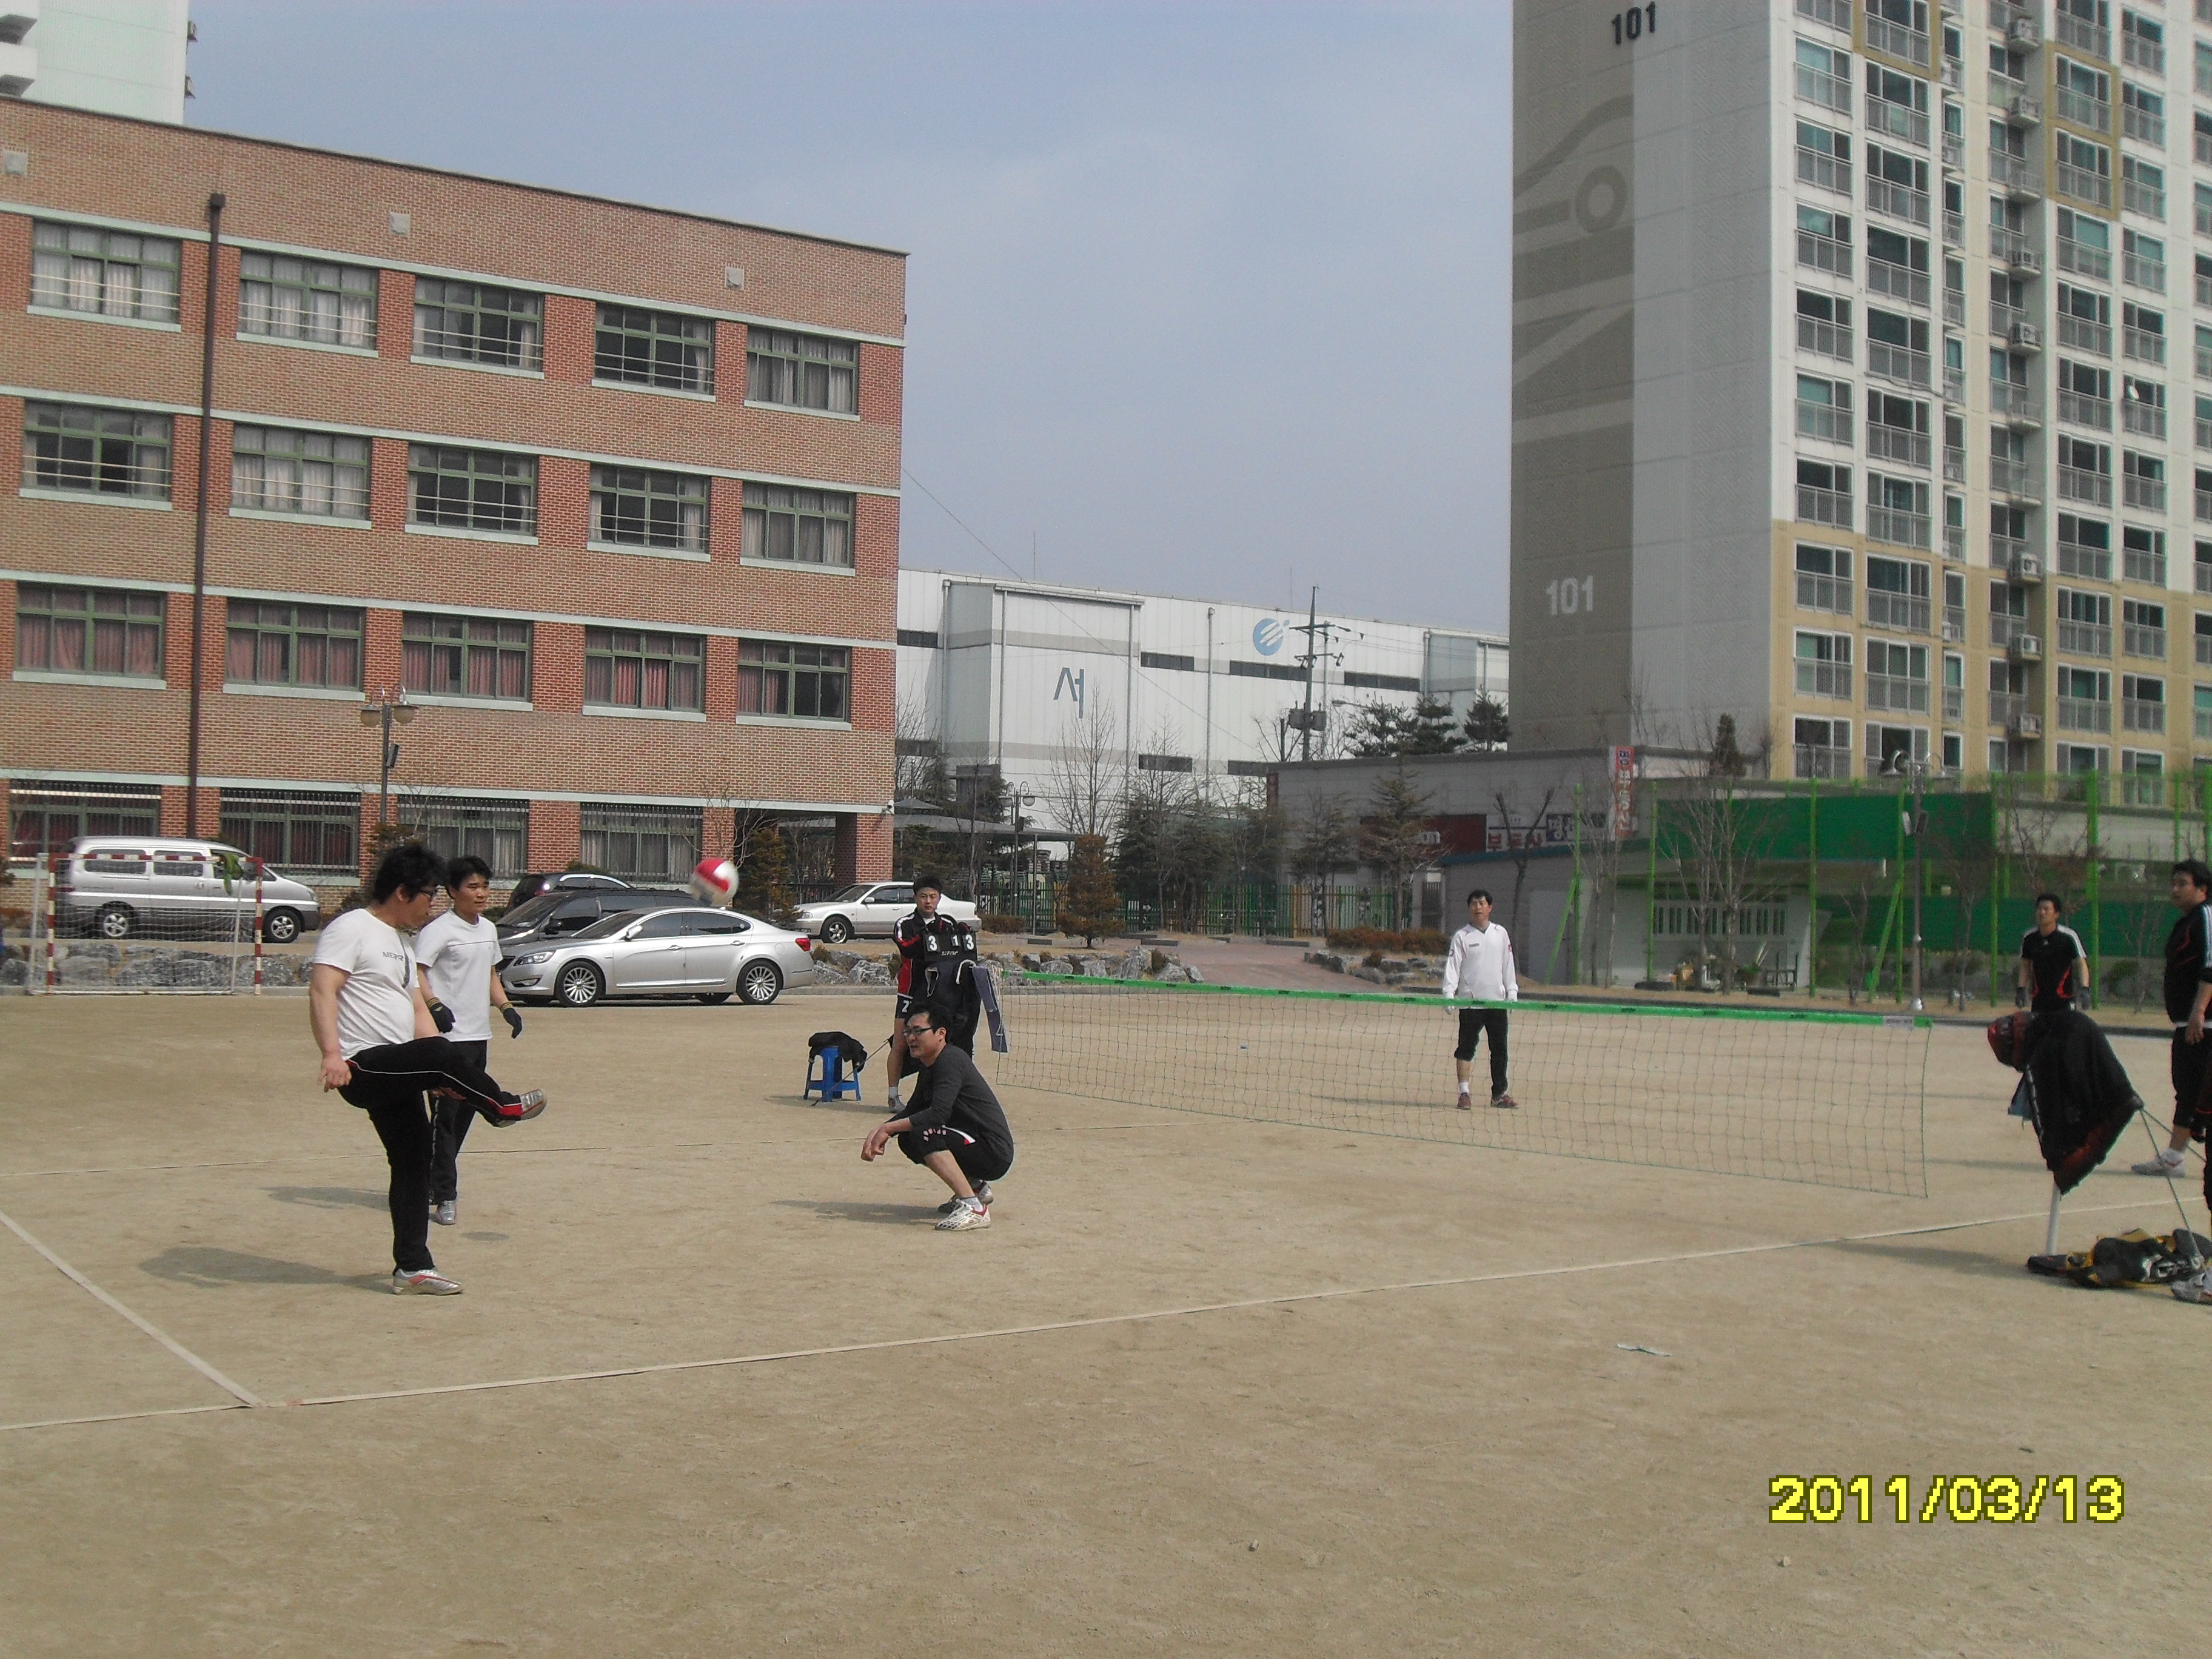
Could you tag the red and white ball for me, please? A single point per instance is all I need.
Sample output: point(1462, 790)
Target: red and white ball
point(715, 881)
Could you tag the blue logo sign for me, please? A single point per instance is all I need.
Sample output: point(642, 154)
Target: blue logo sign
point(1268, 636)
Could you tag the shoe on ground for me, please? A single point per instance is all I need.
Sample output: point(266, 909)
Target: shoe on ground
point(1465, 1101)
point(426, 1282)
point(1505, 1101)
point(444, 1214)
point(518, 1109)
point(2197, 1287)
point(966, 1214)
point(982, 1191)
point(2164, 1164)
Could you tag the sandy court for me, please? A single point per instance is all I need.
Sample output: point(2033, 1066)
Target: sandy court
point(1391, 1365)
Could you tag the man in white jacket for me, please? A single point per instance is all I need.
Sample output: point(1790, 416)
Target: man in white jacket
point(1480, 965)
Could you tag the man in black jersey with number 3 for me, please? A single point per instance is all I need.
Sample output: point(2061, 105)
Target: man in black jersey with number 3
point(2053, 966)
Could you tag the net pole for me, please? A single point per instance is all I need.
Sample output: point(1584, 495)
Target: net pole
point(53, 972)
point(2096, 908)
point(2051, 1228)
point(257, 935)
point(1813, 887)
point(1651, 883)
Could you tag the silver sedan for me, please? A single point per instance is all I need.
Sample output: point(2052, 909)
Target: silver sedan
point(696, 952)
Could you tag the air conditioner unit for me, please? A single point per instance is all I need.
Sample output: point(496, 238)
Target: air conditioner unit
point(2027, 336)
point(2023, 109)
point(2025, 33)
point(2026, 647)
point(2026, 566)
point(2025, 725)
point(1953, 635)
point(2025, 260)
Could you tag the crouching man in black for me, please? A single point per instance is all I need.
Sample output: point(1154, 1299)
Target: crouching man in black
point(954, 1125)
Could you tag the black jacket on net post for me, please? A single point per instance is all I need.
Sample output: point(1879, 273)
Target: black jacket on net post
point(2077, 1090)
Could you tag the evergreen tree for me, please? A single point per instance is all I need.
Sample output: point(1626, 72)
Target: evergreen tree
point(1428, 729)
point(764, 883)
point(1390, 835)
point(1485, 725)
point(1376, 728)
point(1087, 904)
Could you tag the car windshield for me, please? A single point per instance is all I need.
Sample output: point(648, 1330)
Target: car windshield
point(850, 896)
point(532, 910)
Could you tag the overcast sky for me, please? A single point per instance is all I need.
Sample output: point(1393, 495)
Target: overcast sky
point(1208, 299)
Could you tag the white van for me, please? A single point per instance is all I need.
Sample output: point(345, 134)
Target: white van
point(116, 886)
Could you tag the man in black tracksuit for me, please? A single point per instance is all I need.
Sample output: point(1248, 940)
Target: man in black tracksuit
point(932, 950)
point(955, 1126)
point(2188, 991)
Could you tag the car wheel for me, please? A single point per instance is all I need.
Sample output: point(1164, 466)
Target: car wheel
point(837, 931)
point(280, 927)
point(115, 921)
point(579, 985)
point(760, 983)
point(713, 999)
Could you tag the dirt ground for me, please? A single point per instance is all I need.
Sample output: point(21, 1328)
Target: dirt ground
point(1205, 1387)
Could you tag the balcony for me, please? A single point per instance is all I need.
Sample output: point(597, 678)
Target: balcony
point(1819, 593)
point(2141, 714)
point(2148, 494)
point(1895, 40)
point(1827, 339)
point(1824, 253)
point(2016, 480)
point(2143, 566)
point(2083, 184)
point(2092, 563)
point(1954, 153)
point(1894, 443)
point(1836, 13)
point(2084, 36)
point(1955, 704)
point(1900, 611)
point(2138, 641)
point(2082, 110)
point(2203, 363)
point(1888, 120)
point(1898, 282)
point(1954, 230)
point(1954, 465)
point(2203, 643)
point(1887, 524)
point(2079, 408)
point(1954, 307)
point(2142, 345)
point(2084, 714)
point(1955, 624)
point(1824, 421)
point(1828, 91)
point(2149, 200)
point(2024, 649)
point(2204, 290)
point(2026, 726)
point(2139, 272)
point(1813, 762)
point(2144, 420)
point(2078, 484)
point(2006, 706)
point(2138, 53)
point(1955, 386)
point(2204, 146)
point(2078, 639)
point(1825, 171)
point(1897, 363)
point(1891, 691)
point(1954, 535)
point(1898, 201)
point(2142, 789)
point(1828, 507)
point(2203, 506)
point(2081, 257)
point(2021, 179)
point(2080, 334)
point(2141, 125)
point(1823, 679)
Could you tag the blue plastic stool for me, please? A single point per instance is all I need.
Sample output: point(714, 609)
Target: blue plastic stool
point(827, 1074)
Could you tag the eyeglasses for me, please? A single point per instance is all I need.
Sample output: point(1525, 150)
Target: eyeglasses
point(920, 1031)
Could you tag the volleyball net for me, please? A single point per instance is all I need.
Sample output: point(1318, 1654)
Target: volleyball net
point(1831, 1099)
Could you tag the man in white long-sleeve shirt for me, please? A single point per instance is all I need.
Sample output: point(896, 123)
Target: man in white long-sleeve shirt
point(1480, 965)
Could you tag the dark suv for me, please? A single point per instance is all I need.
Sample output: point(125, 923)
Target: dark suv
point(564, 912)
point(549, 881)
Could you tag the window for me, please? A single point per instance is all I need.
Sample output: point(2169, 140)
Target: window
point(288, 299)
point(98, 452)
point(2143, 555)
point(1824, 496)
point(1824, 324)
point(1897, 676)
point(2142, 114)
point(1824, 748)
point(1824, 157)
point(471, 323)
point(2085, 622)
point(1897, 346)
point(1824, 665)
point(2085, 245)
point(42, 821)
point(1890, 749)
point(641, 843)
point(1897, 264)
point(1382, 681)
point(1164, 763)
point(1897, 594)
point(2085, 394)
point(294, 832)
point(808, 681)
point(274, 470)
point(1275, 671)
point(655, 348)
point(1824, 75)
point(2143, 260)
point(803, 371)
point(1824, 409)
point(2142, 703)
point(311, 645)
point(2084, 169)
point(1152, 659)
point(2201, 706)
point(2142, 187)
point(1244, 769)
point(2143, 628)
point(1897, 184)
point(1897, 428)
point(465, 656)
point(471, 489)
point(107, 273)
point(1824, 239)
point(2143, 334)
point(799, 526)
point(633, 506)
point(88, 631)
point(497, 831)
point(626, 668)
point(925, 639)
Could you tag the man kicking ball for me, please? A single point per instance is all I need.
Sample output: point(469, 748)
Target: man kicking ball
point(458, 954)
point(381, 1048)
point(1480, 965)
point(954, 1125)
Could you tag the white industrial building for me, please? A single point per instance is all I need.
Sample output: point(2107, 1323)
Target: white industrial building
point(1015, 675)
point(120, 57)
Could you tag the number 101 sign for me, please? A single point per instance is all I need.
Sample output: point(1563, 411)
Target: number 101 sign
point(1573, 595)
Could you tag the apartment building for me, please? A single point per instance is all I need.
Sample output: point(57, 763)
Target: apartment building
point(605, 495)
point(1863, 381)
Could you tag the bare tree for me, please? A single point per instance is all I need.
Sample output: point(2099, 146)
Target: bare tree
point(1728, 860)
point(1324, 849)
point(920, 757)
point(1520, 847)
point(1086, 777)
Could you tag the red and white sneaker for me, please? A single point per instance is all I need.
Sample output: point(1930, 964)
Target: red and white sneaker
point(967, 1213)
point(427, 1281)
point(518, 1109)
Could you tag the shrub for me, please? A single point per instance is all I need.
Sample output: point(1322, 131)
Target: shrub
point(997, 921)
point(1416, 941)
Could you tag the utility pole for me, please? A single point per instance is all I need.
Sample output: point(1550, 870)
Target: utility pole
point(215, 206)
point(1326, 632)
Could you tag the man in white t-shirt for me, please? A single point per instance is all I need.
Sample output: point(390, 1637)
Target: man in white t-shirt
point(1480, 965)
point(459, 956)
point(381, 1049)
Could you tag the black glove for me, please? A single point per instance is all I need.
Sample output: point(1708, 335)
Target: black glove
point(441, 1016)
point(2020, 996)
point(514, 1020)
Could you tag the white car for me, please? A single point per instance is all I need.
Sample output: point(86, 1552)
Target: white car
point(870, 910)
point(117, 887)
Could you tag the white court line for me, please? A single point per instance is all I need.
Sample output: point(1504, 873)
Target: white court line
point(147, 1326)
point(122, 1416)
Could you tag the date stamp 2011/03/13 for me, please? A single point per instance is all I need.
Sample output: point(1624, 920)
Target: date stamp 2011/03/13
point(1961, 1497)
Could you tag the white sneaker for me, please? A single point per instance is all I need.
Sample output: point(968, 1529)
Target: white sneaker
point(2197, 1287)
point(2164, 1164)
point(445, 1214)
point(983, 1193)
point(428, 1282)
point(967, 1213)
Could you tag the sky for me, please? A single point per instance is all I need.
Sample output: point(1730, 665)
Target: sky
point(1204, 299)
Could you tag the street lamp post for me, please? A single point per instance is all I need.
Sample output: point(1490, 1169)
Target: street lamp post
point(1919, 870)
point(384, 710)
